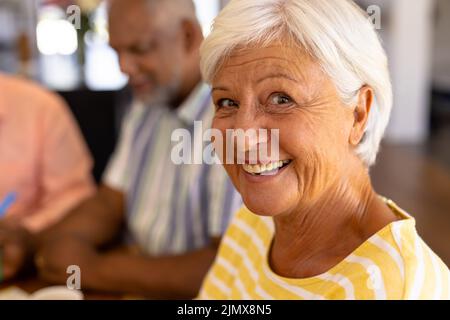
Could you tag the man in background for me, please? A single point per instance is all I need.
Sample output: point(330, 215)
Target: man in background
point(45, 167)
point(175, 214)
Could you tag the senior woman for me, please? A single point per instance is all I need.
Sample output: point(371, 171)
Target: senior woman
point(313, 227)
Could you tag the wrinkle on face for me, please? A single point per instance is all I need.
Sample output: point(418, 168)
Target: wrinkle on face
point(323, 204)
point(311, 130)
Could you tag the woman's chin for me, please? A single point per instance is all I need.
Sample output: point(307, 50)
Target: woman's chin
point(265, 205)
point(269, 195)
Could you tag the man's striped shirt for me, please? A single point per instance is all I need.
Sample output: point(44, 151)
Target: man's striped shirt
point(171, 208)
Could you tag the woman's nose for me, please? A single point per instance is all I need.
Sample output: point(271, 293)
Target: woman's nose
point(246, 118)
point(248, 134)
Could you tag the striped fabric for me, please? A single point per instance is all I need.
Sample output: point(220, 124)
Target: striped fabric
point(395, 263)
point(171, 209)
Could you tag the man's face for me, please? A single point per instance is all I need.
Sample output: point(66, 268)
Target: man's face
point(149, 53)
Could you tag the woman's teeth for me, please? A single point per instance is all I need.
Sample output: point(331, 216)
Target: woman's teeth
point(265, 169)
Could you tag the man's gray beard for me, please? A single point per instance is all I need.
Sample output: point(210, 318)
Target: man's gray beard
point(163, 96)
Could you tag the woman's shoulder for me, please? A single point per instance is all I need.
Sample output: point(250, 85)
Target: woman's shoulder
point(426, 276)
point(398, 263)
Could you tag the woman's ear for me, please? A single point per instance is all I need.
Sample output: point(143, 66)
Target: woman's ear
point(361, 115)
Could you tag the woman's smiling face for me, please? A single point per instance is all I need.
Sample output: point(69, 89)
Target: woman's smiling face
point(283, 88)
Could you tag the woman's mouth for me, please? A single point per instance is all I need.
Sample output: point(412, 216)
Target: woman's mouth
point(268, 169)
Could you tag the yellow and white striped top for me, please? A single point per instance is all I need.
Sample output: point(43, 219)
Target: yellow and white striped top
point(395, 263)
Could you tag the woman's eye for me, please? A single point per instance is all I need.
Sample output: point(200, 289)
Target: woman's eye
point(280, 99)
point(226, 103)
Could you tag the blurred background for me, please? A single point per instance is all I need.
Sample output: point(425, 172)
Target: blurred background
point(40, 39)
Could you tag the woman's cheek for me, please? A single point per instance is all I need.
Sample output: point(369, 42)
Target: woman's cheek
point(314, 172)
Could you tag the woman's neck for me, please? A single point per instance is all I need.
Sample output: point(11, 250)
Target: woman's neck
point(313, 239)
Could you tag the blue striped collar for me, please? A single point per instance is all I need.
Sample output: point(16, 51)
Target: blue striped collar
point(196, 104)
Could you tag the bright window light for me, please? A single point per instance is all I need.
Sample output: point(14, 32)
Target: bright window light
point(206, 12)
point(56, 36)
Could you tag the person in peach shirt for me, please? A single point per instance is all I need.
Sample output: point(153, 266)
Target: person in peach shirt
point(43, 161)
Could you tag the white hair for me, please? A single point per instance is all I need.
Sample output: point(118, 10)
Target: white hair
point(336, 33)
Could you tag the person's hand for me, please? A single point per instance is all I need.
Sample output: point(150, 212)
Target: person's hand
point(16, 247)
point(58, 253)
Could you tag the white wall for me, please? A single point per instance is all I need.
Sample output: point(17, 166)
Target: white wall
point(207, 10)
point(441, 56)
point(410, 49)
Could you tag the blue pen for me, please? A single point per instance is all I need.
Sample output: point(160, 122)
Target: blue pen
point(4, 206)
point(7, 203)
